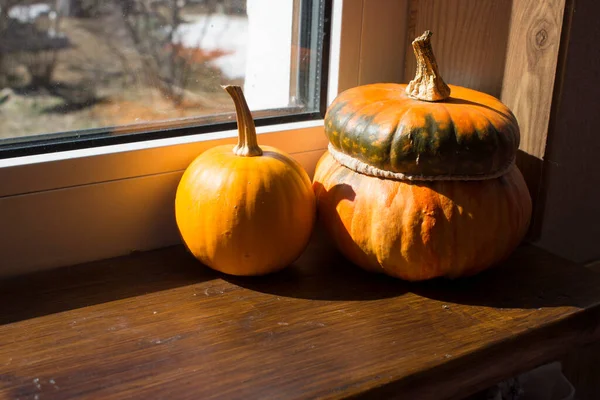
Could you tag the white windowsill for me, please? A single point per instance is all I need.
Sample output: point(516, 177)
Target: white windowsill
point(149, 144)
point(53, 171)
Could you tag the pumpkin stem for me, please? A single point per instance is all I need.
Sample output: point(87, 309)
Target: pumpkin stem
point(428, 85)
point(247, 145)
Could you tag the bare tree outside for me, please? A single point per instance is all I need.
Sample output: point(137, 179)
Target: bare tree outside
point(153, 27)
point(77, 64)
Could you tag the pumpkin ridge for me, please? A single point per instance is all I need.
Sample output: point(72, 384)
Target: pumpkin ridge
point(431, 127)
point(356, 132)
point(421, 150)
point(496, 134)
point(341, 129)
point(331, 118)
point(376, 245)
point(396, 137)
point(292, 164)
point(454, 157)
point(366, 123)
point(498, 143)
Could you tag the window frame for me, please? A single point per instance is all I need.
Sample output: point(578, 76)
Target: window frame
point(81, 205)
point(307, 34)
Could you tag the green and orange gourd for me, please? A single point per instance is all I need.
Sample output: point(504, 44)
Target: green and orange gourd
point(245, 210)
point(419, 180)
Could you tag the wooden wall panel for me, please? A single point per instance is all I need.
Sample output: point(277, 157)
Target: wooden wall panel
point(372, 43)
point(529, 82)
point(570, 222)
point(351, 31)
point(469, 40)
point(383, 41)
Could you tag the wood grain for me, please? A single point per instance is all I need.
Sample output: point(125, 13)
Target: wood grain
point(571, 184)
point(159, 325)
point(372, 40)
point(469, 40)
point(350, 39)
point(382, 41)
point(529, 80)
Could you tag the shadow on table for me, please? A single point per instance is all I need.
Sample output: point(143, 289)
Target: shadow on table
point(530, 278)
point(69, 288)
point(330, 279)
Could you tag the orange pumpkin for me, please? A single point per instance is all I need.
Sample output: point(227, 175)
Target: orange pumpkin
point(419, 184)
point(244, 210)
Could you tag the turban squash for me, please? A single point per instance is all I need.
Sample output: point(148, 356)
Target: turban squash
point(245, 210)
point(419, 180)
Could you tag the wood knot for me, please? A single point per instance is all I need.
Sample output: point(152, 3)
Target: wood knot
point(541, 38)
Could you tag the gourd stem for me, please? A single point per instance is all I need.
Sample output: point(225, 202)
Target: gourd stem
point(427, 85)
point(247, 145)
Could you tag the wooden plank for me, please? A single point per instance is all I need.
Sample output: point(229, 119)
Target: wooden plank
point(372, 40)
point(529, 80)
point(571, 185)
point(469, 40)
point(382, 41)
point(350, 38)
point(159, 325)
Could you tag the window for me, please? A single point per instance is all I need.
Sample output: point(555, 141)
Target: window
point(81, 204)
point(82, 73)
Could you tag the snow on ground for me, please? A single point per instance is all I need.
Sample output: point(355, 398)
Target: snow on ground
point(29, 13)
point(218, 32)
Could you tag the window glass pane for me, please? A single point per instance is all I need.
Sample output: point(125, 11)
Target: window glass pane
point(71, 68)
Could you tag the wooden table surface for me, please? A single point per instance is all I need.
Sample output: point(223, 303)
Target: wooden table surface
point(160, 325)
